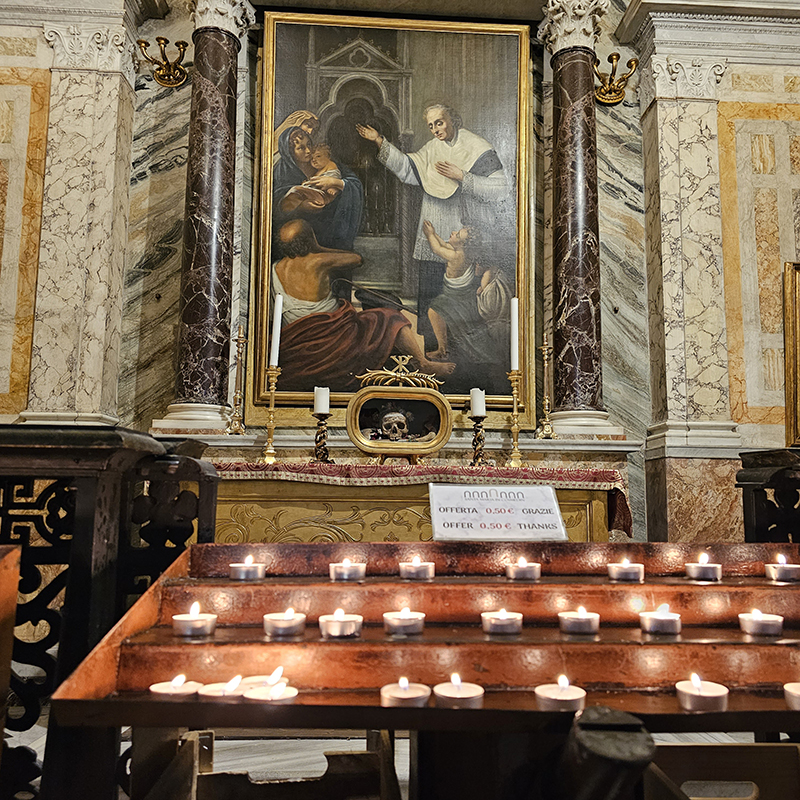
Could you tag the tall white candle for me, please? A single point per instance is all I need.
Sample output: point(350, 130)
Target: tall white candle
point(322, 400)
point(514, 333)
point(477, 403)
point(277, 316)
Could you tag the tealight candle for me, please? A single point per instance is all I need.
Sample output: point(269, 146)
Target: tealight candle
point(346, 570)
point(625, 570)
point(702, 570)
point(456, 694)
point(178, 686)
point(561, 696)
point(502, 621)
point(781, 571)
point(247, 570)
point(233, 688)
point(279, 693)
point(194, 623)
point(699, 695)
point(580, 621)
point(791, 693)
point(662, 620)
point(285, 623)
point(405, 694)
point(404, 622)
point(417, 570)
point(524, 570)
point(340, 625)
point(273, 679)
point(757, 624)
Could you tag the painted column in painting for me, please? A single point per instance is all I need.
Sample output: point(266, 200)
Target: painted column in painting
point(569, 32)
point(201, 392)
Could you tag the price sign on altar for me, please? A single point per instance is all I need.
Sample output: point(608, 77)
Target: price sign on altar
point(496, 513)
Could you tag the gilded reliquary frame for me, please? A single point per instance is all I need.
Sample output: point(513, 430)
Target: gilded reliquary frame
point(791, 339)
point(324, 76)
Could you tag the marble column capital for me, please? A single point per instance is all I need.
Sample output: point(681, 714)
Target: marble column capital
point(92, 46)
point(680, 78)
point(571, 23)
point(232, 16)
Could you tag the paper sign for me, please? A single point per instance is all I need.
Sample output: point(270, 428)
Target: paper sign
point(495, 513)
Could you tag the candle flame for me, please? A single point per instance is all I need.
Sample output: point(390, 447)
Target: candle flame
point(178, 681)
point(626, 562)
point(275, 677)
point(523, 562)
point(289, 613)
point(702, 558)
point(663, 609)
point(782, 559)
point(405, 613)
point(403, 684)
point(231, 685)
point(249, 560)
point(581, 611)
point(563, 682)
point(696, 682)
point(757, 614)
point(338, 614)
point(455, 679)
point(416, 561)
point(502, 613)
point(276, 691)
point(346, 562)
point(194, 611)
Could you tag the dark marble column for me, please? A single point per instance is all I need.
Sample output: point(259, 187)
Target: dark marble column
point(204, 334)
point(577, 369)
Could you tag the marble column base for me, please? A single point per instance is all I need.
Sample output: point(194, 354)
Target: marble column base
point(693, 500)
point(585, 423)
point(66, 418)
point(192, 418)
point(695, 439)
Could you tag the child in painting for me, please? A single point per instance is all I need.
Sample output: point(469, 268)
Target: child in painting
point(308, 197)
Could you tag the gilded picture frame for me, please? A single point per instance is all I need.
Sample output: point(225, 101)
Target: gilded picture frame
point(791, 349)
point(406, 239)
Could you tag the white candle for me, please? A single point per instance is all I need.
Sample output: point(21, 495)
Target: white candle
point(502, 621)
point(514, 333)
point(322, 400)
point(417, 570)
point(247, 570)
point(457, 694)
point(698, 695)
point(347, 570)
point(340, 625)
point(285, 623)
point(662, 620)
point(524, 570)
point(625, 570)
point(233, 688)
point(702, 570)
point(757, 624)
point(273, 679)
point(580, 621)
point(561, 696)
point(280, 693)
point(194, 623)
point(275, 344)
point(404, 622)
point(178, 687)
point(405, 694)
point(791, 693)
point(477, 403)
point(781, 571)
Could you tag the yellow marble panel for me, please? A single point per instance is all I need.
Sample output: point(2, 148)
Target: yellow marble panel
point(742, 82)
point(794, 154)
point(762, 153)
point(769, 263)
point(791, 83)
point(17, 46)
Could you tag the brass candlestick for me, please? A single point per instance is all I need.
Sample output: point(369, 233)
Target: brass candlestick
point(478, 441)
point(515, 376)
point(268, 455)
point(321, 440)
point(545, 429)
point(236, 425)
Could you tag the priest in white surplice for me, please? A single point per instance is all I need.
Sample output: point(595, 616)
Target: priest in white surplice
point(463, 184)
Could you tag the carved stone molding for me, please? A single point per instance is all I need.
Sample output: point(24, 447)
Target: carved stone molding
point(670, 78)
point(91, 47)
point(233, 16)
point(571, 23)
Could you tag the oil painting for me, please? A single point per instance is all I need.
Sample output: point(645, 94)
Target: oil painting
point(393, 219)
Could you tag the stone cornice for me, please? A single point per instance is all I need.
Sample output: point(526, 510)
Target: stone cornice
point(571, 23)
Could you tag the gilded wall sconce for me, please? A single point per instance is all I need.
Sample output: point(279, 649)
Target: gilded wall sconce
point(612, 90)
point(166, 73)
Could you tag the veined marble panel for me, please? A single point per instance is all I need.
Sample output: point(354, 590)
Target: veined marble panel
point(24, 46)
point(24, 97)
